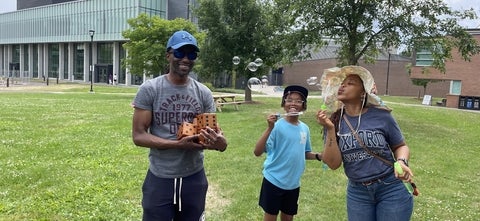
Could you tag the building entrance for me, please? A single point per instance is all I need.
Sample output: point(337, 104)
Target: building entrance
point(103, 73)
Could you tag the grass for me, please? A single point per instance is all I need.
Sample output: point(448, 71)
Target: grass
point(67, 154)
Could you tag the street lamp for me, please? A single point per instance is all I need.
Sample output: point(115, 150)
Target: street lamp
point(91, 33)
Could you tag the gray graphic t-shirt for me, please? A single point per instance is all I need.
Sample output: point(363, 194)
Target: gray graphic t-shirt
point(171, 105)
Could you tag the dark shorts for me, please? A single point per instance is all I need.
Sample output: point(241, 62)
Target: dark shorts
point(274, 199)
point(180, 199)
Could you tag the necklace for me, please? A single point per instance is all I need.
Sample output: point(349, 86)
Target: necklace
point(340, 121)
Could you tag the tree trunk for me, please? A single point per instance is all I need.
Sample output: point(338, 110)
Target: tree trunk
point(248, 94)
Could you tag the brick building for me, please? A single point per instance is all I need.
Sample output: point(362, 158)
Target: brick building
point(462, 77)
point(389, 71)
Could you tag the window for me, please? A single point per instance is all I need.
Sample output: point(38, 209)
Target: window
point(455, 87)
point(424, 58)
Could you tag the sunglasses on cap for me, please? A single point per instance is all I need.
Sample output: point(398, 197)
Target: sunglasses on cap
point(180, 54)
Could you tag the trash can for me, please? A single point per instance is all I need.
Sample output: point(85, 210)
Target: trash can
point(469, 103)
point(461, 102)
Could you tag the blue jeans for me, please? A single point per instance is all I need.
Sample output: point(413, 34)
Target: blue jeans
point(386, 199)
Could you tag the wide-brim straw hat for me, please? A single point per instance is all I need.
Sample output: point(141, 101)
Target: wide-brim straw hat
point(332, 78)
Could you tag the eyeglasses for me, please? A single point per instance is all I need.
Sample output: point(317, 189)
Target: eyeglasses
point(180, 54)
point(294, 101)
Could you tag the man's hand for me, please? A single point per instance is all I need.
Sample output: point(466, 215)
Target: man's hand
point(213, 140)
point(190, 142)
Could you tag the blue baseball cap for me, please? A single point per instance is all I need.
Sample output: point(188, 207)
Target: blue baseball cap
point(182, 38)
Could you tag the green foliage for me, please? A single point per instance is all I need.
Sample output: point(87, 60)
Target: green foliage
point(362, 27)
point(234, 28)
point(148, 36)
point(67, 154)
point(209, 85)
point(244, 28)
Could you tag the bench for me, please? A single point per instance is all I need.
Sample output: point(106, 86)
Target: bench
point(235, 103)
point(442, 103)
point(226, 99)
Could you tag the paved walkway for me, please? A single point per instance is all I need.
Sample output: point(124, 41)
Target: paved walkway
point(272, 91)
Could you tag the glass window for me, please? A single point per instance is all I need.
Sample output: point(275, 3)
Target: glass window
point(65, 61)
point(105, 53)
point(53, 60)
point(35, 60)
point(424, 58)
point(78, 66)
point(25, 58)
point(455, 87)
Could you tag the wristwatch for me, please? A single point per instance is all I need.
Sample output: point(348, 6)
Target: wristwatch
point(405, 161)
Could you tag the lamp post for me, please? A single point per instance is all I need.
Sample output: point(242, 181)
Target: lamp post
point(388, 73)
point(91, 33)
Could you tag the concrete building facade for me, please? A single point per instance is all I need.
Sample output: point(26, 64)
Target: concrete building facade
point(51, 39)
point(24, 4)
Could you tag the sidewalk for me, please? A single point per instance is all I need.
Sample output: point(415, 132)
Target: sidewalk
point(271, 91)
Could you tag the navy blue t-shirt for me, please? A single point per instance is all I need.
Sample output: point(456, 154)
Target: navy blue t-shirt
point(379, 131)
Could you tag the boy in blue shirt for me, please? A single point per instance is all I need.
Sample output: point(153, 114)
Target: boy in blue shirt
point(286, 141)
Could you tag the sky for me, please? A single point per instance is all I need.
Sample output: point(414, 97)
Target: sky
point(11, 5)
point(8, 5)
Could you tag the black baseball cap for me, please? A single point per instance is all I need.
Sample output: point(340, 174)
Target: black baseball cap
point(296, 88)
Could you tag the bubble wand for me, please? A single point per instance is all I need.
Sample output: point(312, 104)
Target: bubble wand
point(412, 188)
point(325, 91)
point(324, 107)
point(324, 96)
point(289, 114)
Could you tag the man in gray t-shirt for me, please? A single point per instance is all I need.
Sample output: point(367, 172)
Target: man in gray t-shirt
point(175, 186)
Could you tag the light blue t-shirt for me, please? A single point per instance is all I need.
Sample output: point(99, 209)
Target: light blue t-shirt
point(171, 105)
point(285, 149)
point(379, 131)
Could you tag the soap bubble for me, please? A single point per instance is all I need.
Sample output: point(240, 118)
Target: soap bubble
point(236, 60)
point(254, 83)
point(312, 81)
point(252, 67)
point(258, 62)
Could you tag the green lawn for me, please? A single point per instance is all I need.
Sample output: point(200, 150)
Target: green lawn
point(66, 154)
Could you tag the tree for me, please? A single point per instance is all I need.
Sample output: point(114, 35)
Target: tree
point(240, 28)
point(148, 37)
point(419, 82)
point(232, 30)
point(423, 83)
point(363, 27)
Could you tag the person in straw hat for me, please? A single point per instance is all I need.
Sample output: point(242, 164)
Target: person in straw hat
point(360, 133)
